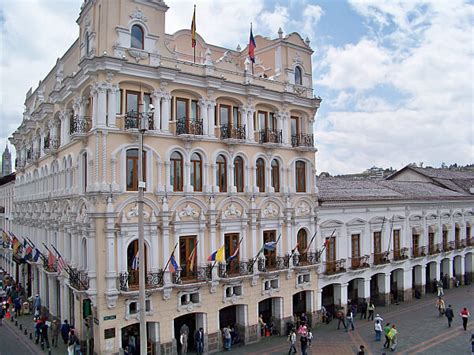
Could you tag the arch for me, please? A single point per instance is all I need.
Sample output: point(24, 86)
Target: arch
point(189, 199)
point(137, 36)
point(133, 199)
point(187, 92)
point(260, 174)
point(239, 173)
point(232, 99)
point(196, 171)
point(269, 199)
point(177, 171)
point(298, 75)
point(232, 199)
point(221, 172)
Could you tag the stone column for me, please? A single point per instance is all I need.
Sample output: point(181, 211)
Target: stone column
point(459, 266)
point(187, 177)
point(156, 99)
point(250, 126)
point(112, 105)
point(65, 127)
point(383, 281)
point(407, 283)
point(340, 294)
point(364, 289)
point(203, 115)
point(211, 116)
point(165, 119)
point(111, 267)
point(101, 107)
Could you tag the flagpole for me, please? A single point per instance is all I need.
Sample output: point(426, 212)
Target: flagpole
point(249, 44)
point(169, 259)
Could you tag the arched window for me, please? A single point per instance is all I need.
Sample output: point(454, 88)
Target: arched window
point(261, 175)
point(221, 175)
point(137, 37)
point(196, 172)
point(132, 169)
point(239, 174)
point(298, 76)
point(133, 264)
point(84, 172)
point(84, 253)
point(176, 171)
point(88, 43)
point(300, 177)
point(276, 175)
point(302, 240)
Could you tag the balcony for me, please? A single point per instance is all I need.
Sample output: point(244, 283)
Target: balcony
point(233, 132)
point(381, 258)
point(132, 120)
point(470, 242)
point(332, 267)
point(460, 243)
point(50, 268)
point(360, 262)
point(271, 136)
point(78, 279)
point(434, 249)
point(80, 125)
point(448, 246)
point(189, 126)
point(418, 252)
point(400, 254)
point(302, 140)
point(306, 259)
point(129, 281)
point(50, 144)
point(234, 269)
point(202, 274)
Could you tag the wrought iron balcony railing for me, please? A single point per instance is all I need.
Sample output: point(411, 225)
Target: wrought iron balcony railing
point(302, 140)
point(78, 279)
point(50, 144)
point(271, 136)
point(233, 132)
point(129, 281)
point(201, 274)
point(449, 246)
point(189, 126)
point(306, 259)
point(418, 252)
point(359, 262)
point(80, 125)
point(400, 254)
point(381, 258)
point(434, 249)
point(334, 266)
point(132, 120)
point(460, 243)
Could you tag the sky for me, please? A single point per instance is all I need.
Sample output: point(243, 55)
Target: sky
point(395, 78)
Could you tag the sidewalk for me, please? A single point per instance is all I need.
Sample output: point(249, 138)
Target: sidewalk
point(26, 322)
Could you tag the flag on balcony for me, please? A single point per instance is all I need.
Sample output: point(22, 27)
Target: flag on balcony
point(193, 29)
point(294, 249)
point(252, 46)
point(28, 252)
point(218, 255)
point(212, 257)
point(173, 264)
point(233, 256)
point(135, 262)
point(62, 264)
point(192, 257)
point(51, 260)
point(309, 244)
point(16, 245)
point(25, 243)
point(5, 237)
point(37, 255)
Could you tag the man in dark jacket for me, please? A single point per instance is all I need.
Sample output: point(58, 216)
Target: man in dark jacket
point(363, 309)
point(449, 314)
point(65, 328)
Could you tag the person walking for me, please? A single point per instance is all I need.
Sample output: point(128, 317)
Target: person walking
point(199, 337)
point(387, 329)
point(72, 342)
point(371, 309)
point(310, 337)
point(183, 339)
point(378, 318)
point(361, 350)
point(363, 309)
point(37, 305)
point(450, 315)
point(440, 305)
point(393, 336)
point(350, 319)
point(439, 288)
point(55, 328)
point(227, 338)
point(44, 335)
point(465, 315)
point(65, 328)
point(304, 345)
point(292, 340)
point(378, 330)
point(340, 316)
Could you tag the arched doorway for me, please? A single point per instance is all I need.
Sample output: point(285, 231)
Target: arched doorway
point(234, 316)
point(396, 285)
point(468, 270)
point(417, 281)
point(378, 293)
point(458, 269)
point(355, 291)
point(445, 272)
point(431, 276)
point(133, 264)
point(190, 323)
point(271, 311)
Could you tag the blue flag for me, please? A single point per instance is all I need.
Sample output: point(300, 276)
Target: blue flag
point(173, 264)
point(37, 255)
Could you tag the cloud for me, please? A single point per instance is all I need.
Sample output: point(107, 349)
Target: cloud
point(273, 20)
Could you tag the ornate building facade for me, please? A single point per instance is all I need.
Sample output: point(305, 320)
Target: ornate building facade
point(228, 161)
point(6, 162)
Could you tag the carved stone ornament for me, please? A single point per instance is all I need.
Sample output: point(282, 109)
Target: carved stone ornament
point(270, 210)
point(112, 301)
point(297, 59)
point(167, 293)
point(299, 90)
point(303, 209)
point(138, 15)
point(188, 211)
point(137, 54)
point(134, 213)
point(213, 286)
point(232, 211)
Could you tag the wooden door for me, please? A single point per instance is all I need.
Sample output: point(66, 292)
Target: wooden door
point(231, 244)
point(355, 250)
point(270, 255)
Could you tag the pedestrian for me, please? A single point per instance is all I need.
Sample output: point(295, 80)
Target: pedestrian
point(183, 339)
point(37, 304)
point(304, 345)
point(378, 330)
point(440, 305)
point(393, 336)
point(304, 318)
point(38, 322)
point(55, 328)
point(350, 319)
point(324, 316)
point(132, 344)
point(184, 329)
point(227, 338)
point(450, 315)
point(378, 318)
point(72, 343)
point(371, 309)
point(292, 340)
point(439, 287)
point(17, 306)
point(199, 337)
point(303, 330)
point(361, 350)
point(310, 337)
point(465, 315)
point(65, 328)
point(44, 335)
point(363, 309)
point(262, 325)
point(387, 329)
point(2, 313)
point(340, 316)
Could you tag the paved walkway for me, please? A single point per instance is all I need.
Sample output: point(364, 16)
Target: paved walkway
point(421, 331)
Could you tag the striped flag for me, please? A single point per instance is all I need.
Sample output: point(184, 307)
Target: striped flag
point(135, 262)
point(37, 255)
point(16, 245)
point(51, 260)
point(192, 257)
point(233, 256)
point(173, 264)
point(252, 46)
point(62, 264)
point(193, 29)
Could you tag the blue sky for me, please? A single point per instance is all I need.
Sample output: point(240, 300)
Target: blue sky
point(395, 77)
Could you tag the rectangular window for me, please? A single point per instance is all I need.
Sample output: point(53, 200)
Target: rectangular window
point(445, 239)
point(294, 126)
point(236, 116)
point(300, 176)
point(132, 169)
point(270, 255)
point(396, 243)
point(416, 244)
point(146, 102)
point(331, 255)
point(133, 100)
point(272, 121)
point(231, 244)
point(224, 115)
point(355, 250)
point(194, 110)
point(431, 243)
point(262, 119)
point(181, 108)
point(186, 247)
point(119, 102)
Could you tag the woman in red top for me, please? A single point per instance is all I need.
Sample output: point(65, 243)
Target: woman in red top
point(464, 315)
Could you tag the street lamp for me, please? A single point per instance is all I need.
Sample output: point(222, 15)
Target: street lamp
point(142, 124)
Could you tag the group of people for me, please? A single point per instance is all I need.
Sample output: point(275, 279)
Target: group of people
point(449, 313)
point(306, 337)
point(184, 339)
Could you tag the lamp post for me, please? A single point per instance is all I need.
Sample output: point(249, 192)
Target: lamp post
point(142, 118)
